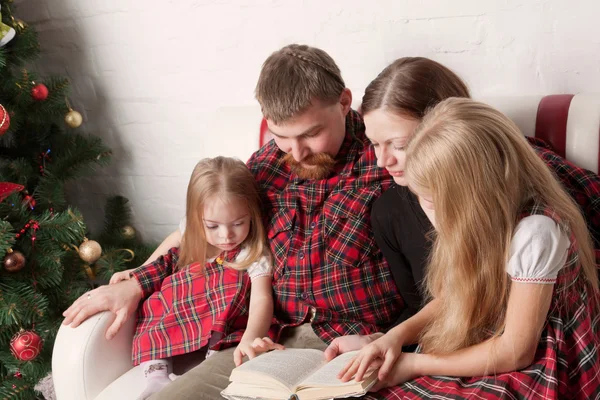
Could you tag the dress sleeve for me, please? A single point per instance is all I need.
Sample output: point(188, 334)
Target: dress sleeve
point(262, 267)
point(538, 250)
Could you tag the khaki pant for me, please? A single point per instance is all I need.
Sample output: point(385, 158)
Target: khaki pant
point(208, 379)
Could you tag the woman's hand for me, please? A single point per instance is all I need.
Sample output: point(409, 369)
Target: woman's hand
point(403, 370)
point(383, 351)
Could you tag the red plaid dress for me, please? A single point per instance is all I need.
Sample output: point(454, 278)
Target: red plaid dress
point(327, 266)
point(186, 308)
point(567, 361)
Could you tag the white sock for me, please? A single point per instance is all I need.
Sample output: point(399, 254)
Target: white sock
point(157, 377)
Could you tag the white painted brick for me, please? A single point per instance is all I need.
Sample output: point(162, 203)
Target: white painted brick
point(64, 10)
point(82, 89)
point(53, 37)
point(166, 83)
point(34, 10)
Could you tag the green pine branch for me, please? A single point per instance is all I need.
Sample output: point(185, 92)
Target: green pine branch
point(24, 48)
point(7, 237)
point(3, 58)
point(76, 155)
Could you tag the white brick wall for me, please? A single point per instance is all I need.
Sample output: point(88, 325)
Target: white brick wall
point(168, 82)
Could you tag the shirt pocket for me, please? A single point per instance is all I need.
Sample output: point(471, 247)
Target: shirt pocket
point(347, 226)
point(279, 232)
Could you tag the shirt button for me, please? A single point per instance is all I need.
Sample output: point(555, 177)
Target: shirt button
point(312, 226)
point(301, 255)
point(304, 295)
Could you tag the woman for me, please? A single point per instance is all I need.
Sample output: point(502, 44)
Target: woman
point(393, 106)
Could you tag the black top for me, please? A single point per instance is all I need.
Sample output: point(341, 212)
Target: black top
point(401, 230)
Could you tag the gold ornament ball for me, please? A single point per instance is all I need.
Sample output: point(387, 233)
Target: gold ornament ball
point(19, 25)
point(128, 232)
point(14, 261)
point(90, 251)
point(73, 119)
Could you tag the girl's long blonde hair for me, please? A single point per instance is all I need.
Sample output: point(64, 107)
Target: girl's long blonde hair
point(227, 178)
point(481, 172)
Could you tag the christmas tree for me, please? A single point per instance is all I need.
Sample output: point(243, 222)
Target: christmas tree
point(47, 260)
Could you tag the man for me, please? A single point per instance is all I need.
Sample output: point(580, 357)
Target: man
point(319, 178)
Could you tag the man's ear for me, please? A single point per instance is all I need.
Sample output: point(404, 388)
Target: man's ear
point(346, 100)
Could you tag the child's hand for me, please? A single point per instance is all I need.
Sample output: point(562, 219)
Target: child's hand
point(120, 276)
point(253, 348)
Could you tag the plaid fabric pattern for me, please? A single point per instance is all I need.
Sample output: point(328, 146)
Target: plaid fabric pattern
point(581, 184)
point(327, 266)
point(188, 308)
point(567, 361)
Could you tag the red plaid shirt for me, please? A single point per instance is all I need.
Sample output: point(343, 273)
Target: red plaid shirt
point(327, 266)
point(186, 310)
point(581, 184)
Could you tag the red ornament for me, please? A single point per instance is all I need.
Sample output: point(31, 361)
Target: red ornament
point(29, 201)
point(8, 188)
point(4, 120)
point(39, 92)
point(26, 345)
point(18, 375)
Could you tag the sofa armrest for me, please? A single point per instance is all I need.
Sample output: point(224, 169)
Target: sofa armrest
point(84, 363)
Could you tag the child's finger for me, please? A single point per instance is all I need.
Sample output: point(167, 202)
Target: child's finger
point(277, 346)
point(237, 357)
point(269, 344)
point(268, 340)
point(251, 353)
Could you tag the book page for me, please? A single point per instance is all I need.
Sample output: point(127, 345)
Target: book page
point(289, 367)
point(327, 375)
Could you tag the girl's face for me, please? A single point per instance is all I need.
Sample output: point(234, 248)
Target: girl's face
point(425, 201)
point(389, 133)
point(226, 222)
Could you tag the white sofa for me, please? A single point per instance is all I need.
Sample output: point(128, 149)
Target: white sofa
point(85, 366)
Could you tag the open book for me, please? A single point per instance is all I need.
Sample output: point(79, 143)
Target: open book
point(299, 374)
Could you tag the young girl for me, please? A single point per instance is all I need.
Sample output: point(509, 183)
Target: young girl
point(512, 278)
point(199, 292)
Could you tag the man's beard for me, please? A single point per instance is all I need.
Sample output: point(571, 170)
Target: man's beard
point(321, 165)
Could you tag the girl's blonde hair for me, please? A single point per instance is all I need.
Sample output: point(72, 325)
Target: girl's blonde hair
point(481, 173)
point(226, 178)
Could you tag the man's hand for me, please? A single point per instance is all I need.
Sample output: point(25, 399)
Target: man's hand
point(121, 298)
